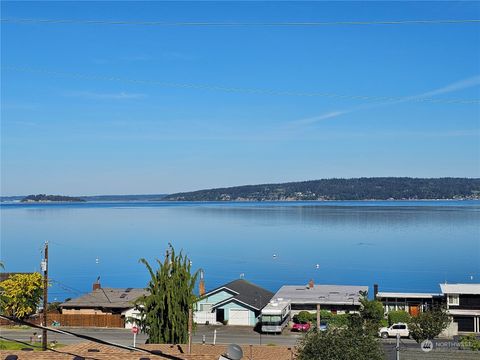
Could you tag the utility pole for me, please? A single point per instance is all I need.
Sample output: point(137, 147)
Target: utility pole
point(190, 315)
point(397, 348)
point(318, 317)
point(45, 297)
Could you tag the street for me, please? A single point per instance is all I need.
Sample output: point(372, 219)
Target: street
point(224, 335)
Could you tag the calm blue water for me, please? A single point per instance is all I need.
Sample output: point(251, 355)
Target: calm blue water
point(399, 245)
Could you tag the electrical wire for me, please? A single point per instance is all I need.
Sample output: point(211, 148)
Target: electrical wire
point(240, 23)
point(90, 338)
point(258, 91)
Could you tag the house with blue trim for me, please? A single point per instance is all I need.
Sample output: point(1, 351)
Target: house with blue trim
point(237, 303)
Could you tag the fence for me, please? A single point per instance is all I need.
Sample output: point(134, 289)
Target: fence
point(79, 320)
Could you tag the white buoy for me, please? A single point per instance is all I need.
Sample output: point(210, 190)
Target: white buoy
point(317, 266)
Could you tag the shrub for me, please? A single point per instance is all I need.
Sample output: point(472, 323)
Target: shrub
point(340, 344)
point(429, 324)
point(399, 316)
point(470, 342)
point(304, 316)
point(339, 320)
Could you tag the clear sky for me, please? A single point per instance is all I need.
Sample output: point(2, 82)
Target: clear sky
point(99, 133)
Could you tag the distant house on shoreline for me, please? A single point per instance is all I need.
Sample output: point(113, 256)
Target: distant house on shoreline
point(462, 302)
point(105, 301)
point(238, 302)
point(337, 299)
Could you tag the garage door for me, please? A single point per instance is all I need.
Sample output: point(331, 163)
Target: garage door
point(238, 317)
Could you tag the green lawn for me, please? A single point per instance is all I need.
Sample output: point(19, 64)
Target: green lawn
point(12, 345)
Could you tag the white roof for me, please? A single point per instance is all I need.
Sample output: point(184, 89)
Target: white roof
point(275, 307)
point(460, 289)
point(406, 295)
point(321, 294)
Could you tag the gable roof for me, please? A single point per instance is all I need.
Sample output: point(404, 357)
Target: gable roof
point(472, 289)
point(245, 292)
point(109, 298)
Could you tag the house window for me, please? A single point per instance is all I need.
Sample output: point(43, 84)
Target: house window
point(453, 299)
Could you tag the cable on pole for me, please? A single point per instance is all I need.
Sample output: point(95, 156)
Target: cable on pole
point(90, 338)
point(415, 98)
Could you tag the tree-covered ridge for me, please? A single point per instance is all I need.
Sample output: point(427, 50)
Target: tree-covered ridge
point(379, 188)
point(43, 197)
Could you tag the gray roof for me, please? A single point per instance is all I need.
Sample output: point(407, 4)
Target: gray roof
point(246, 293)
point(321, 294)
point(106, 298)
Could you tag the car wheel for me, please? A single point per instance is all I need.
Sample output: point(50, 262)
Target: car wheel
point(384, 335)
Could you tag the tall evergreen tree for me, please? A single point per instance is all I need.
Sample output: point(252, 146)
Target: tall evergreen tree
point(164, 312)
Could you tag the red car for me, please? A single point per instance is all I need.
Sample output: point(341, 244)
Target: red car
point(301, 326)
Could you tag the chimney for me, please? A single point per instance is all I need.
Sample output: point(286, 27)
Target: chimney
point(375, 291)
point(96, 284)
point(311, 284)
point(201, 285)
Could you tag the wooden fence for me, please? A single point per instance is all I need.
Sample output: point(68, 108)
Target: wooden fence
point(79, 320)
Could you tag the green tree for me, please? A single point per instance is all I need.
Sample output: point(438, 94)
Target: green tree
point(429, 324)
point(164, 312)
point(372, 313)
point(21, 294)
point(350, 343)
point(398, 316)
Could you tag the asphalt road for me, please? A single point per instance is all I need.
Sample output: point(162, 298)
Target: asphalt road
point(224, 335)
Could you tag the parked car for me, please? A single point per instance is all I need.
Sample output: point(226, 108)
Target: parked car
point(323, 326)
point(301, 326)
point(392, 331)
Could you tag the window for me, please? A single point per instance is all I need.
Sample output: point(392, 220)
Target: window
point(453, 299)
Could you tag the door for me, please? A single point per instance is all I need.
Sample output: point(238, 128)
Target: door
point(239, 317)
point(220, 315)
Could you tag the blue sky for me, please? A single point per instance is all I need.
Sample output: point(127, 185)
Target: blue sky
point(90, 134)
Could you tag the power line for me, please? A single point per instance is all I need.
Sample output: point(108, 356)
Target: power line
point(90, 338)
point(239, 23)
point(258, 91)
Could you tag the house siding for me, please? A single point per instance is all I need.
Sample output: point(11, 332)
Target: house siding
point(214, 298)
point(233, 305)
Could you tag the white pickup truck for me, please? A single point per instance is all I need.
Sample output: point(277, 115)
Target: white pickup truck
point(392, 331)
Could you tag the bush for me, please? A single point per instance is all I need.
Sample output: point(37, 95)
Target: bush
point(399, 316)
point(304, 316)
point(340, 344)
point(339, 320)
point(470, 342)
point(429, 324)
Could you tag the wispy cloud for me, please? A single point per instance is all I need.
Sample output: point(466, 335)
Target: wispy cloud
point(315, 119)
point(456, 86)
point(105, 96)
point(453, 87)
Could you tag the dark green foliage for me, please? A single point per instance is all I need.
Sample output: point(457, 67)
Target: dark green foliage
point(349, 343)
point(164, 313)
point(399, 316)
point(43, 197)
point(429, 324)
point(372, 313)
point(304, 316)
point(470, 342)
point(381, 188)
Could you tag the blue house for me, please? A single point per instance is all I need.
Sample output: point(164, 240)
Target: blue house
point(237, 303)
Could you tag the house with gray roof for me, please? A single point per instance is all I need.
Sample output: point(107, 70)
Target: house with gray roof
point(335, 298)
point(238, 302)
point(103, 301)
